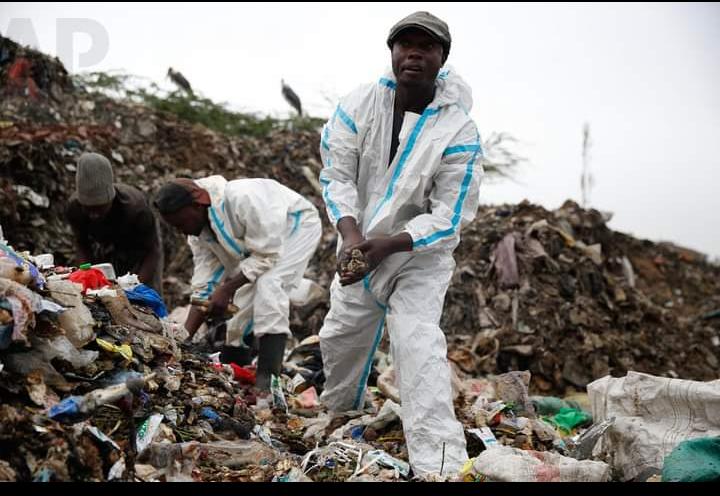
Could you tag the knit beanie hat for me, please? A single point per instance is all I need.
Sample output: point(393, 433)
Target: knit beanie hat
point(94, 180)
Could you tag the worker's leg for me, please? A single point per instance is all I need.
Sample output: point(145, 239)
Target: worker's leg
point(240, 326)
point(348, 340)
point(419, 352)
point(264, 305)
point(272, 302)
point(302, 244)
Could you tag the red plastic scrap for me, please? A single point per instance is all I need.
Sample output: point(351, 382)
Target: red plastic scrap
point(243, 374)
point(19, 76)
point(90, 279)
point(20, 69)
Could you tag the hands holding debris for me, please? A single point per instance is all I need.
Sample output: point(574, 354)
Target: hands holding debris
point(219, 301)
point(359, 256)
point(351, 235)
point(352, 265)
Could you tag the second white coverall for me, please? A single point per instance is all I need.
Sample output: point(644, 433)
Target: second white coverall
point(264, 230)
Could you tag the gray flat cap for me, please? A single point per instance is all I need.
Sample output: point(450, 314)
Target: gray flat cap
point(437, 28)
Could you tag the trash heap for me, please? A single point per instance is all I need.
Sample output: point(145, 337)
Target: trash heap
point(96, 383)
point(553, 319)
point(560, 294)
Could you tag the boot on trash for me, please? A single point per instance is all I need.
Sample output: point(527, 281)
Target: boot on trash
point(271, 351)
point(240, 355)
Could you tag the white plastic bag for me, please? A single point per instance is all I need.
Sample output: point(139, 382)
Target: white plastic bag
point(61, 347)
point(508, 464)
point(653, 415)
point(77, 321)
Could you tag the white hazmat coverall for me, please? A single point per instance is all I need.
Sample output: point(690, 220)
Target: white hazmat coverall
point(264, 230)
point(430, 191)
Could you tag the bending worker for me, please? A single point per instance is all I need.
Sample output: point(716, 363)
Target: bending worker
point(401, 178)
point(251, 241)
point(113, 222)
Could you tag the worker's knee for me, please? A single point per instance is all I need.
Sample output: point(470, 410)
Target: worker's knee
point(269, 292)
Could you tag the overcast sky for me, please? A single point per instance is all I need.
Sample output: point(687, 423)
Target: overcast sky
point(645, 76)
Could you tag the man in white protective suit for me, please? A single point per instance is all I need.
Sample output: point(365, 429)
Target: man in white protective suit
point(401, 177)
point(251, 241)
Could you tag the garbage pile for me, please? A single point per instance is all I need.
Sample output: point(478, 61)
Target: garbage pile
point(560, 294)
point(552, 319)
point(96, 384)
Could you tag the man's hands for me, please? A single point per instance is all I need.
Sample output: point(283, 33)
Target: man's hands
point(351, 235)
point(219, 301)
point(224, 294)
point(217, 305)
point(374, 252)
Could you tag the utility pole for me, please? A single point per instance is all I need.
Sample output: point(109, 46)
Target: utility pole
point(586, 178)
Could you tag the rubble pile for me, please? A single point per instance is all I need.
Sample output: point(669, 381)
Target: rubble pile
point(560, 294)
point(95, 385)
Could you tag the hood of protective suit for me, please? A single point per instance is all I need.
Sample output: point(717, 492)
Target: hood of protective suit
point(429, 188)
point(451, 88)
point(215, 186)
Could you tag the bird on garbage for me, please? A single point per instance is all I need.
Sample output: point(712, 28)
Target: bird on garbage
point(179, 80)
point(291, 97)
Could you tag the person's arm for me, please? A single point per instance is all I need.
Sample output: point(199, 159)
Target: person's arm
point(454, 197)
point(194, 320)
point(340, 154)
point(150, 240)
point(149, 264)
point(351, 236)
point(350, 232)
point(83, 252)
point(339, 151)
point(223, 295)
point(207, 275)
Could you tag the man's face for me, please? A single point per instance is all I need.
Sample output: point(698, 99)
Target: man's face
point(416, 58)
point(189, 220)
point(97, 213)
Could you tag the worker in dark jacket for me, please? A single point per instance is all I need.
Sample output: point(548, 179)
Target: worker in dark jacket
point(113, 222)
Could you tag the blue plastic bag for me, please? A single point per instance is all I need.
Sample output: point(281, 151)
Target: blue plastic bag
point(209, 414)
point(147, 296)
point(67, 409)
point(5, 330)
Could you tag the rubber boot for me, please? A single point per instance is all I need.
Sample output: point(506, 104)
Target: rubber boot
point(241, 355)
point(271, 351)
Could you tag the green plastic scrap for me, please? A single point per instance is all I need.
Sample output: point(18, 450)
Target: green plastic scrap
point(550, 405)
point(694, 460)
point(569, 418)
